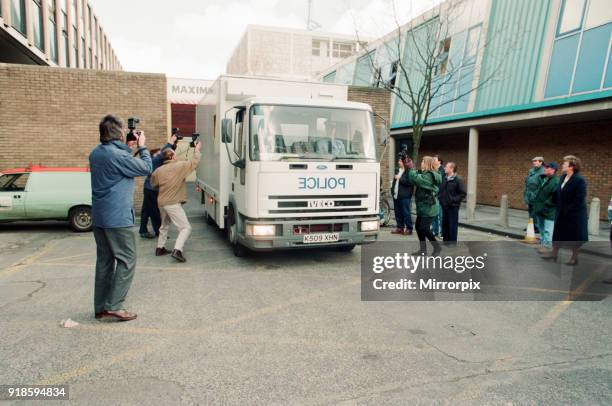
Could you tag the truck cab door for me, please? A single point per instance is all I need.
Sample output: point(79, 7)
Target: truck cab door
point(239, 146)
point(13, 196)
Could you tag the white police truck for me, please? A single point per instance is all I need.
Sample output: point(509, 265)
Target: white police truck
point(287, 164)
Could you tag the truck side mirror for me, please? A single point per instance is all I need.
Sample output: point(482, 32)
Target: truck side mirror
point(226, 130)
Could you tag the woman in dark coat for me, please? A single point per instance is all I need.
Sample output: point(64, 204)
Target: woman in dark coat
point(571, 219)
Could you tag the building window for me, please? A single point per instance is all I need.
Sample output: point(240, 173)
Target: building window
point(75, 48)
point(599, 13)
point(65, 35)
point(83, 53)
point(343, 49)
point(18, 15)
point(37, 25)
point(571, 16)
point(320, 47)
point(393, 74)
point(442, 59)
point(52, 32)
point(580, 61)
point(471, 46)
point(73, 12)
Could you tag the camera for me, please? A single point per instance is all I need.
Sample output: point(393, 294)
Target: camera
point(194, 140)
point(175, 131)
point(132, 122)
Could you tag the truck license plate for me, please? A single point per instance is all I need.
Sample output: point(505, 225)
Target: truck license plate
point(319, 238)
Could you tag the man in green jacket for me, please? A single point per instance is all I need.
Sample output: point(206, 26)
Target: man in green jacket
point(543, 207)
point(532, 182)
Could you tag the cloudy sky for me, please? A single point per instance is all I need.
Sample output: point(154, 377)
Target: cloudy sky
point(194, 38)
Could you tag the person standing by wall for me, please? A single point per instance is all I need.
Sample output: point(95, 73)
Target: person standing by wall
point(532, 183)
point(402, 190)
point(113, 169)
point(170, 179)
point(436, 224)
point(452, 193)
point(427, 182)
point(570, 230)
point(543, 206)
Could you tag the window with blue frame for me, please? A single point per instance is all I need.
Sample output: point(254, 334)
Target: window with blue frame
point(454, 83)
point(580, 60)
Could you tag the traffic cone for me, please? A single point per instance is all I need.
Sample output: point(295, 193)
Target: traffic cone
point(530, 236)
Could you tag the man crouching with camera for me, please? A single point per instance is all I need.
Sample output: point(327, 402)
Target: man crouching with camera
point(170, 179)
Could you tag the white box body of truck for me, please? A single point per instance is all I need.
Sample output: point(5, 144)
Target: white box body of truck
point(301, 170)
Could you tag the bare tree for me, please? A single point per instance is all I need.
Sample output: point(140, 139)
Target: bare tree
point(432, 72)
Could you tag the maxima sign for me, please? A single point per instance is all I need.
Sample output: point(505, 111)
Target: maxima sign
point(187, 91)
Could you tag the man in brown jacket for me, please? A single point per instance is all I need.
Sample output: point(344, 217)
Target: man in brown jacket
point(170, 179)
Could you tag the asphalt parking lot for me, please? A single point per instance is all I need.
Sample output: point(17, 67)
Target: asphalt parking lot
point(281, 328)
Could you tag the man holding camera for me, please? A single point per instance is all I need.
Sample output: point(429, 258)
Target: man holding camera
point(170, 179)
point(150, 210)
point(113, 169)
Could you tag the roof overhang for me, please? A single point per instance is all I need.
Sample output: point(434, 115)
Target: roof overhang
point(566, 113)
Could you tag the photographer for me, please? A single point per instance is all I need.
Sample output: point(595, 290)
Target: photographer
point(150, 210)
point(170, 179)
point(113, 169)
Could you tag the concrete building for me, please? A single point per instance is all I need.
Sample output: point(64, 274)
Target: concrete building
point(58, 33)
point(289, 53)
point(550, 93)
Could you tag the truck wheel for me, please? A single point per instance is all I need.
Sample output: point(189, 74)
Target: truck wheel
point(232, 234)
point(80, 219)
point(346, 248)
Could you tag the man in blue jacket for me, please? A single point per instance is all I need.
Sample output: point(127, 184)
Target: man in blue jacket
point(113, 169)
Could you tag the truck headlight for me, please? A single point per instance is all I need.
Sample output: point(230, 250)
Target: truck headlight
point(371, 225)
point(261, 230)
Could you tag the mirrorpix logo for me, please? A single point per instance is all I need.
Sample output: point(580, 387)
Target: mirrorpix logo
point(432, 265)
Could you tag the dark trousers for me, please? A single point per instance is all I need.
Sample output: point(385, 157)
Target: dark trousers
point(150, 210)
point(115, 266)
point(423, 228)
point(403, 218)
point(450, 223)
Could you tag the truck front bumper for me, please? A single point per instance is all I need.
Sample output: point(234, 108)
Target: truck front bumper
point(348, 229)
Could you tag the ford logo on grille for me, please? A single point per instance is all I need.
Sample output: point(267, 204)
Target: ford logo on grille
point(321, 166)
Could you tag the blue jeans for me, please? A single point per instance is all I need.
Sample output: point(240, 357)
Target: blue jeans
point(546, 228)
point(402, 213)
point(436, 223)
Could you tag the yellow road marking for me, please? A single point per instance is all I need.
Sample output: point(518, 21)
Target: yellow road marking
point(25, 262)
point(85, 369)
point(558, 309)
point(69, 257)
point(137, 266)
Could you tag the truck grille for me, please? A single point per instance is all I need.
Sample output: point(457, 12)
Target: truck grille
point(303, 204)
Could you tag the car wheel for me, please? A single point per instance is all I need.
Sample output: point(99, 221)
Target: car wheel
point(80, 219)
point(232, 234)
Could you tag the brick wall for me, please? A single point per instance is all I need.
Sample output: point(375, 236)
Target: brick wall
point(505, 157)
point(49, 116)
point(379, 99)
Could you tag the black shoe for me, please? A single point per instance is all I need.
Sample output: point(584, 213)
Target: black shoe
point(436, 249)
point(178, 255)
point(161, 251)
point(147, 235)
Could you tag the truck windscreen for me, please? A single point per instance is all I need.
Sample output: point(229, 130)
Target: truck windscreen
point(305, 132)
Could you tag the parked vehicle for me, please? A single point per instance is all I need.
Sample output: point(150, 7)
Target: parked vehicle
point(288, 164)
point(41, 193)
